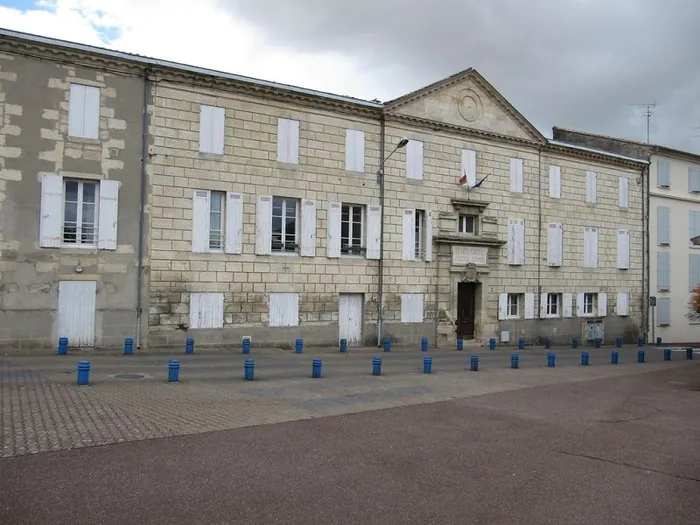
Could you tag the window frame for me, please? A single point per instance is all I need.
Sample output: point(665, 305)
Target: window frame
point(79, 212)
point(348, 249)
point(419, 217)
point(516, 315)
point(557, 304)
point(222, 230)
point(593, 304)
point(461, 223)
point(296, 246)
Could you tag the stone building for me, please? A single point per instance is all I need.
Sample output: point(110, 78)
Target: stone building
point(279, 212)
point(672, 260)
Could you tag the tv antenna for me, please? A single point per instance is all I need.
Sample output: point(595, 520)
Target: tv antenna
point(648, 111)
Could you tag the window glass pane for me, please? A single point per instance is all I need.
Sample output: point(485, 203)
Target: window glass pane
point(356, 233)
point(357, 214)
point(344, 231)
point(291, 208)
point(216, 201)
point(88, 192)
point(71, 191)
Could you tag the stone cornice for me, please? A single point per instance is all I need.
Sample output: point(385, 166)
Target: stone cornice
point(457, 238)
point(592, 155)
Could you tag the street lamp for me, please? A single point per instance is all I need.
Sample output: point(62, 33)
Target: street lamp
point(380, 179)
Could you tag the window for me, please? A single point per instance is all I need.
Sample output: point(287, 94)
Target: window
point(355, 150)
point(516, 242)
point(283, 309)
point(590, 247)
point(694, 224)
point(84, 111)
point(663, 174)
point(352, 240)
point(694, 179)
point(623, 249)
point(513, 305)
point(623, 304)
point(80, 212)
point(469, 166)
point(288, 141)
point(217, 221)
point(206, 310)
point(555, 182)
point(589, 300)
point(591, 187)
point(623, 199)
point(663, 271)
point(467, 224)
point(211, 129)
point(663, 225)
point(417, 235)
point(663, 311)
point(553, 305)
point(555, 244)
point(516, 175)
point(285, 225)
point(693, 270)
point(414, 160)
point(419, 241)
point(412, 308)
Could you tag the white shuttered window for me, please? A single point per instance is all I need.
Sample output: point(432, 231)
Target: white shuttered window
point(206, 310)
point(412, 308)
point(623, 304)
point(283, 309)
point(623, 193)
point(84, 111)
point(516, 175)
point(355, 150)
point(623, 249)
point(663, 225)
point(211, 129)
point(555, 182)
point(414, 160)
point(555, 244)
point(516, 242)
point(591, 187)
point(590, 247)
point(217, 222)
point(288, 141)
point(663, 271)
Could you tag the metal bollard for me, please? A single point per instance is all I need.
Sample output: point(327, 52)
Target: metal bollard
point(83, 372)
point(521, 343)
point(427, 364)
point(343, 346)
point(299, 346)
point(387, 345)
point(658, 341)
point(376, 366)
point(597, 342)
point(492, 343)
point(618, 342)
point(640, 356)
point(189, 345)
point(128, 346)
point(574, 343)
point(688, 353)
point(640, 341)
point(173, 371)
point(551, 359)
point(62, 345)
point(460, 343)
point(547, 342)
point(424, 344)
point(514, 360)
point(474, 363)
point(245, 348)
point(249, 369)
point(584, 358)
point(667, 354)
point(614, 357)
point(316, 370)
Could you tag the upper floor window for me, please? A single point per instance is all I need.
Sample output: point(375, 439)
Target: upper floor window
point(352, 229)
point(80, 212)
point(285, 225)
point(288, 141)
point(84, 111)
point(217, 221)
point(211, 129)
point(467, 224)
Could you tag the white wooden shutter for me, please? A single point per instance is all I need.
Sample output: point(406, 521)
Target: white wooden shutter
point(288, 141)
point(623, 249)
point(76, 110)
point(529, 306)
point(602, 304)
point(512, 245)
point(200, 221)
point(333, 230)
point(568, 307)
point(409, 232)
point(428, 236)
point(51, 219)
point(555, 244)
point(623, 304)
point(206, 310)
point(591, 187)
point(283, 309)
point(218, 126)
point(624, 197)
point(469, 166)
point(663, 225)
point(555, 182)
point(206, 117)
point(374, 225)
point(693, 270)
point(663, 271)
point(590, 247)
point(502, 306)
point(308, 228)
point(516, 175)
point(543, 305)
point(263, 225)
point(663, 178)
point(108, 215)
point(92, 112)
point(234, 223)
point(579, 304)
point(414, 160)
point(355, 150)
point(520, 242)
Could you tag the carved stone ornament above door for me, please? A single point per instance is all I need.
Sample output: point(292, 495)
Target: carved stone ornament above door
point(470, 274)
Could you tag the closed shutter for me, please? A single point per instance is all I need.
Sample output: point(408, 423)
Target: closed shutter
point(516, 242)
point(283, 309)
point(374, 232)
point(263, 225)
point(663, 174)
point(428, 236)
point(205, 128)
point(200, 221)
point(412, 308)
point(414, 160)
point(663, 271)
point(51, 219)
point(288, 141)
point(591, 187)
point(555, 182)
point(694, 224)
point(76, 111)
point(568, 307)
point(663, 311)
point(694, 179)
point(234, 223)
point(590, 248)
point(206, 310)
point(623, 306)
point(469, 166)
point(108, 215)
point(355, 150)
point(693, 270)
point(516, 175)
point(308, 228)
point(520, 228)
point(409, 226)
point(579, 304)
point(555, 244)
point(543, 305)
point(218, 127)
point(663, 225)
point(602, 304)
point(333, 230)
point(623, 249)
point(502, 306)
point(623, 193)
point(529, 306)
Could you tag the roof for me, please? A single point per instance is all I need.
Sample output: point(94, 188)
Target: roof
point(596, 151)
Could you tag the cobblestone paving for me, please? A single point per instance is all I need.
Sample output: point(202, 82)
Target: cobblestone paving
point(42, 409)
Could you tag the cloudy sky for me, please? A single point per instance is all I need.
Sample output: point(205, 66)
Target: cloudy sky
point(573, 63)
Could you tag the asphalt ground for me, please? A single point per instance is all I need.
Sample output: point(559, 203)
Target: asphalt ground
point(617, 450)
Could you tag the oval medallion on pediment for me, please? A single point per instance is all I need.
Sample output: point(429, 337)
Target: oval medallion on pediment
point(469, 105)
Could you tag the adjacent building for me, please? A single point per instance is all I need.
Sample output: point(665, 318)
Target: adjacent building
point(673, 262)
point(276, 212)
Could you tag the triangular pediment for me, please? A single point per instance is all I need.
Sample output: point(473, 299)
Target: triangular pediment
point(466, 100)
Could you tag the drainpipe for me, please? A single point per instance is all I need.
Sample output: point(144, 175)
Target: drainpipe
point(539, 237)
point(142, 211)
point(380, 284)
point(646, 292)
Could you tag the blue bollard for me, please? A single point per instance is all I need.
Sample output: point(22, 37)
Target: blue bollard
point(427, 364)
point(376, 366)
point(521, 343)
point(584, 358)
point(245, 347)
point(83, 372)
point(343, 346)
point(596, 342)
point(189, 345)
point(688, 353)
point(640, 341)
point(667, 354)
point(614, 357)
point(460, 343)
point(551, 357)
point(316, 370)
point(514, 360)
point(62, 346)
point(547, 342)
point(424, 344)
point(249, 369)
point(474, 363)
point(618, 342)
point(299, 348)
point(640, 356)
point(173, 371)
point(387, 345)
point(128, 346)
point(574, 342)
point(658, 341)
point(492, 343)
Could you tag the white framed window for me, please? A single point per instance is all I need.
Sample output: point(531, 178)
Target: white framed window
point(288, 141)
point(663, 174)
point(352, 232)
point(355, 150)
point(467, 224)
point(694, 179)
point(592, 304)
point(419, 235)
point(212, 121)
point(412, 308)
point(84, 111)
point(414, 160)
point(694, 224)
point(553, 305)
point(206, 310)
point(513, 305)
point(80, 212)
point(285, 225)
point(469, 166)
point(217, 222)
point(589, 303)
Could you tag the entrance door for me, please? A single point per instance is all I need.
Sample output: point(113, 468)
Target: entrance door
point(350, 317)
point(76, 312)
point(466, 310)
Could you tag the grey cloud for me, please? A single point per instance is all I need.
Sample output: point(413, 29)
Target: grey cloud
point(575, 63)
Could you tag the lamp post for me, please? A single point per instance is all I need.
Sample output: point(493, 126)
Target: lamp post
point(380, 179)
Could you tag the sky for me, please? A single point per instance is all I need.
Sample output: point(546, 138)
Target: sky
point(582, 64)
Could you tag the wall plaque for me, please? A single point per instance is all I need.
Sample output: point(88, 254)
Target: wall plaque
point(462, 255)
